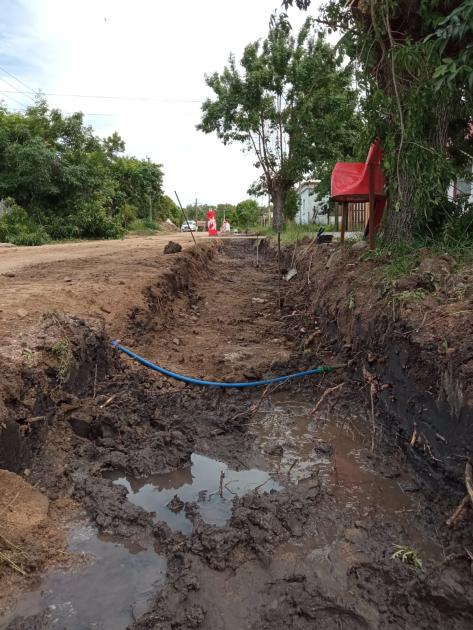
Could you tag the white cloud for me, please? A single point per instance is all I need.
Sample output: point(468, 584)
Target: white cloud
point(155, 48)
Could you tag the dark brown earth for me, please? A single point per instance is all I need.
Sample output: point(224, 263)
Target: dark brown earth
point(311, 554)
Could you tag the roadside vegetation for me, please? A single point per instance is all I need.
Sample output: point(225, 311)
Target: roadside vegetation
point(403, 74)
point(58, 180)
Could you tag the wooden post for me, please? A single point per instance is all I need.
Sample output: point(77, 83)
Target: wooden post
point(371, 231)
point(344, 221)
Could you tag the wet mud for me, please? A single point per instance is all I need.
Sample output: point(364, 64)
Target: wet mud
point(287, 507)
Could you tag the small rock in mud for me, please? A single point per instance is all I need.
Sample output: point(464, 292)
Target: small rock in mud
point(175, 504)
point(359, 246)
point(172, 248)
point(202, 496)
point(176, 341)
point(323, 448)
point(21, 312)
point(9, 274)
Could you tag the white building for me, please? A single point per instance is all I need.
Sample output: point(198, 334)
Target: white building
point(311, 208)
point(462, 189)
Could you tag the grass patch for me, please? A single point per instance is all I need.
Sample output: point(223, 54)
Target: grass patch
point(399, 260)
point(291, 232)
point(63, 352)
point(395, 261)
point(142, 227)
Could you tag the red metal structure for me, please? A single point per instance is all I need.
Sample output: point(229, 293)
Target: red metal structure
point(353, 182)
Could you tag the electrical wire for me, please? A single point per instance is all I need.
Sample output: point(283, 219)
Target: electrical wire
point(23, 108)
point(28, 87)
point(13, 86)
point(150, 99)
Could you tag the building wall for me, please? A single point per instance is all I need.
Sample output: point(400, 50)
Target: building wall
point(461, 187)
point(305, 214)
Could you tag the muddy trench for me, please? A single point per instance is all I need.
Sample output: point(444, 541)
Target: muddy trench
point(290, 506)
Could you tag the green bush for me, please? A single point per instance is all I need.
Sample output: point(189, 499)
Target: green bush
point(128, 213)
point(458, 228)
point(93, 222)
point(62, 228)
point(143, 225)
point(18, 228)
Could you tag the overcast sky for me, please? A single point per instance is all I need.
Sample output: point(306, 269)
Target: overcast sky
point(159, 49)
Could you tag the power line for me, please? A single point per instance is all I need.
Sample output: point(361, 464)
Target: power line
point(13, 86)
point(14, 100)
point(110, 97)
point(104, 114)
point(28, 87)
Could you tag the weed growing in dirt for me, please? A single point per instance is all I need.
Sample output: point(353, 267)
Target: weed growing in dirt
point(415, 295)
point(407, 555)
point(62, 351)
point(395, 262)
point(29, 356)
point(292, 232)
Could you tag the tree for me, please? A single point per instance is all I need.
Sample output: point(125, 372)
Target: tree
point(291, 204)
point(167, 209)
point(291, 104)
point(415, 62)
point(66, 182)
point(247, 213)
point(226, 210)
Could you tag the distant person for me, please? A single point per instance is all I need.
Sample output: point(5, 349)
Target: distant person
point(225, 226)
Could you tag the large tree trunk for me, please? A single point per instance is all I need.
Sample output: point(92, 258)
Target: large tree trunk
point(403, 211)
point(400, 213)
point(278, 196)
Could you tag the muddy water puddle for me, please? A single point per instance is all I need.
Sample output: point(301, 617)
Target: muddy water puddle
point(300, 444)
point(112, 587)
point(209, 482)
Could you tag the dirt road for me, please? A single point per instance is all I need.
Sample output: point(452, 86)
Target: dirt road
point(94, 279)
point(15, 258)
point(290, 507)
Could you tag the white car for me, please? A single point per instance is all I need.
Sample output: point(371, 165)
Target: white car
point(189, 226)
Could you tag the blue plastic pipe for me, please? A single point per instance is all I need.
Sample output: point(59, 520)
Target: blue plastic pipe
point(195, 381)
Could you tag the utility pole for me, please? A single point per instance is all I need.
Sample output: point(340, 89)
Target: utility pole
point(195, 211)
point(150, 209)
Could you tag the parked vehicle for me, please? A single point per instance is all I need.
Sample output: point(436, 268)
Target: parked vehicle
point(189, 226)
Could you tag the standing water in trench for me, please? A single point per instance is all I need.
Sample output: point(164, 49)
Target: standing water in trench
point(111, 587)
point(199, 482)
point(116, 584)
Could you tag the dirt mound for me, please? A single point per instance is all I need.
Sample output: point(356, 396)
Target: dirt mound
point(169, 226)
point(31, 538)
point(172, 248)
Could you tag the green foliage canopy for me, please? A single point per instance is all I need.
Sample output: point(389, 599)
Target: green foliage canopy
point(415, 69)
point(247, 213)
point(290, 103)
point(60, 180)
